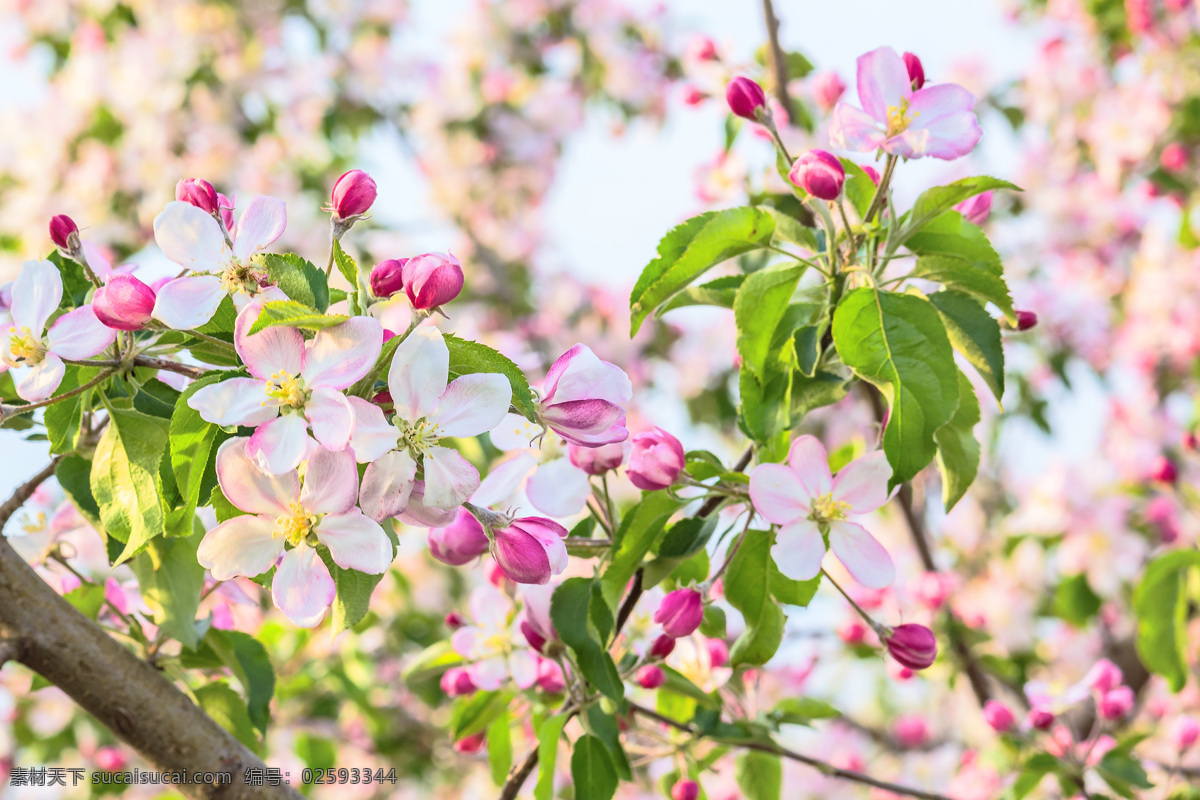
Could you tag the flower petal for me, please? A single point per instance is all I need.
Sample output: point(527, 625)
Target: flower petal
point(490, 673)
point(798, 550)
point(778, 494)
point(550, 535)
point(514, 432)
point(38, 383)
point(187, 303)
point(863, 483)
point(240, 546)
point(862, 554)
point(851, 128)
point(523, 665)
point(190, 237)
point(248, 487)
point(558, 488)
point(473, 404)
point(586, 422)
point(356, 542)
point(810, 462)
point(449, 478)
point(279, 445)
point(387, 485)
point(36, 293)
point(79, 334)
point(303, 588)
point(418, 374)
point(373, 435)
point(330, 482)
point(882, 82)
point(263, 220)
point(237, 401)
point(278, 349)
point(944, 124)
point(339, 356)
point(331, 417)
point(579, 374)
point(417, 514)
point(504, 478)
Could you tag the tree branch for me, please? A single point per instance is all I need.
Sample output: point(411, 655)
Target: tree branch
point(778, 61)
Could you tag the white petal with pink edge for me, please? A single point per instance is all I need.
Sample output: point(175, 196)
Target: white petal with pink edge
point(514, 432)
point(189, 302)
point(799, 549)
point(490, 673)
point(248, 487)
point(263, 220)
point(810, 462)
point(504, 478)
point(190, 237)
point(586, 377)
point(278, 446)
point(339, 356)
point(778, 494)
point(387, 485)
point(237, 401)
point(882, 82)
point(40, 382)
point(356, 542)
point(418, 374)
point(330, 482)
point(473, 404)
point(863, 483)
point(449, 478)
point(558, 488)
point(36, 293)
point(862, 555)
point(79, 334)
point(240, 546)
point(302, 588)
point(278, 349)
point(373, 435)
point(331, 416)
point(852, 128)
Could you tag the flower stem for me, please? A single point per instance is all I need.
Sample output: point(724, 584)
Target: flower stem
point(9, 411)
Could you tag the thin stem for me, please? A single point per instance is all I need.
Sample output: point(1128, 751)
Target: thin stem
point(9, 411)
point(209, 339)
point(147, 361)
point(608, 504)
point(877, 627)
point(881, 190)
point(733, 549)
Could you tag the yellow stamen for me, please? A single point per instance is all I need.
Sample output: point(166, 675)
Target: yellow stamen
point(294, 528)
point(419, 436)
point(24, 348)
point(287, 389)
point(826, 509)
point(900, 117)
point(33, 523)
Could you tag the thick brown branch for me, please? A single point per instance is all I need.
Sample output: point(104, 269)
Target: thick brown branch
point(517, 777)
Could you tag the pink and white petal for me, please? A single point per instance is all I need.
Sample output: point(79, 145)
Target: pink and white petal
point(394, 314)
point(948, 137)
point(489, 608)
point(490, 673)
point(514, 432)
point(864, 557)
point(387, 485)
point(559, 488)
point(240, 546)
point(263, 220)
point(810, 462)
point(248, 487)
point(79, 334)
point(330, 482)
point(882, 82)
point(237, 401)
point(799, 549)
point(523, 665)
point(418, 374)
point(39, 383)
point(190, 237)
point(356, 542)
point(331, 417)
point(278, 446)
point(373, 435)
point(550, 536)
point(863, 483)
point(36, 293)
point(584, 421)
point(938, 101)
point(851, 128)
point(468, 641)
point(339, 356)
point(585, 377)
point(473, 404)
point(504, 479)
point(778, 494)
point(303, 588)
point(273, 350)
point(187, 303)
point(449, 478)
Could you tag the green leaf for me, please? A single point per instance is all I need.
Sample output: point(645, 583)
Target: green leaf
point(248, 660)
point(720, 292)
point(605, 727)
point(472, 715)
point(87, 599)
point(345, 264)
point(572, 617)
point(859, 188)
point(171, 580)
point(933, 202)
point(802, 711)
point(431, 663)
point(354, 589)
point(637, 534)
point(1036, 768)
point(1075, 601)
point(1161, 607)
point(712, 624)
point(1122, 772)
point(957, 449)
point(975, 334)
point(500, 749)
point(678, 683)
point(748, 589)
point(222, 703)
point(294, 315)
point(793, 592)
point(897, 342)
point(467, 357)
point(822, 389)
point(759, 775)
point(64, 417)
point(692, 248)
point(74, 476)
point(790, 230)
point(681, 541)
point(758, 309)
point(125, 478)
point(957, 254)
point(194, 444)
point(592, 770)
point(548, 736)
point(765, 408)
point(298, 279)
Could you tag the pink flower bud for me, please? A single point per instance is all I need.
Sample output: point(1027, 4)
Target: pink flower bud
point(655, 461)
point(1104, 676)
point(1115, 704)
point(1174, 157)
point(1026, 320)
point(531, 550)
point(454, 620)
point(470, 744)
point(701, 48)
point(693, 96)
point(718, 652)
point(999, 716)
point(1184, 733)
point(827, 89)
point(1164, 470)
point(533, 636)
point(583, 399)
point(663, 646)
point(124, 303)
point(976, 209)
point(1160, 512)
point(912, 645)
point(911, 730)
point(598, 460)
point(226, 205)
point(353, 194)
point(651, 676)
point(199, 193)
point(1188, 440)
point(932, 589)
point(819, 173)
point(852, 633)
point(550, 677)
point(1040, 718)
point(680, 612)
point(916, 72)
point(746, 98)
point(110, 759)
point(457, 682)
point(685, 789)
point(387, 277)
point(872, 173)
point(432, 280)
point(460, 541)
point(62, 228)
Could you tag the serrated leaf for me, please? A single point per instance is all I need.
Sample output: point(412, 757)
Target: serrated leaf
point(63, 419)
point(345, 264)
point(1161, 607)
point(125, 478)
point(765, 407)
point(467, 357)
point(957, 448)
point(956, 253)
point(975, 334)
point(758, 309)
point(720, 292)
point(790, 230)
point(171, 580)
point(298, 278)
point(87, 599)
point(294, 315)
point(933, 202)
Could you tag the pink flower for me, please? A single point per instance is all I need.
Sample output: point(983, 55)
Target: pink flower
point(197, 192)
point(651, 676)
point(746, 99)
point(536, 624)
point(550, 677)
point(284, 525)
point(598, 460)
point(913, 646)
point(662, 646)
point(556, 487)
point(911, 730)
point(387, 277)
point(1104, 676)
point(295, 385)
point(656, 460)
point(819, 173)
point(680, 612)
point(459, 542)
point(718, 652)
point(124, 303)
point(62, 228)
point(35, 355)
point(998, 716)
point(583, 399)
point(1116, 703)
point(932, 589)
point(1174, 157)
point(685, 789)
point(530, 550)
point(976, 209)
point(456, 682)
point(353, 194)
point(427, 408)
point(827, 89)
point(432, 280)
point(1184, 733)
point(487, 645)
point(936, 121)
point(803, 498)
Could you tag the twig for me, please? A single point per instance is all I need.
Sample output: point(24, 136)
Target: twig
point(778, 60)
point(148, 361)
point(25, 491)
point(12, 411)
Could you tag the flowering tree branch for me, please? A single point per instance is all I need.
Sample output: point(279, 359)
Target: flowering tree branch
point(778, 60)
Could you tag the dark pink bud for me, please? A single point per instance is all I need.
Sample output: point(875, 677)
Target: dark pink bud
point(1026, 320)
point(383, 398)
point(1164, 470)
point(457, 682)
point(911, 730)
point(531, 550)
point(550, 677)
point(1174, 157)
point(598, 460)
point(533, 636)
point(746, 98)
point(852, 633)
point(680, 612)
point(718, 652)
point(872, 173)
point(655, 460)
point(1115, 704)
point(470, 744)
point(1040, 718)
point(454, 620)
point(663, 646)
point(912, 645)
point(460, 541)
point(124, 303)
point(1189, 440)
point(685, 789)
point(432, 280)
point(353, 194)
point(1184, 733)
point(110, 759)
point(651, 676)
point(1104, 676)
point(387, 277)
point(999, 716)
point(976, 209)
point(916, 72)
point(199, 193)
point(819, 173)
point(62, 228)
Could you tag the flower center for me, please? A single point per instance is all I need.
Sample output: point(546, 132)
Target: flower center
point(419, 436)
point(34, 523)
point(295, 527)
point(240, 278)
point(24, 348)
point(287, 390)
point(826, 509)
point(900, 117)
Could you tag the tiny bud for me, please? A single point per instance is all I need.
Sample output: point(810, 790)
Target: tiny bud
point(912, 645)
point(460, 541)
point(680, 612)
point(456, 682)
point(718, 653)
point(663, 646)
point(1040, 718)
point(911, 730)
point(746, 98)
point(1184, 733)
point(1190, 442)
point(598, 460)
point(827, 89)
point(655, 461)
point(432, 280)
point(1104, 676)
point(470, 744)
point(819, 173)
point(454, 620)
point(62, 228)
point(1164, 470)
point(693, 96)
point(685, 789)
point(916, 72)
point(1116, 703)
point(1026, 320)
point(387, 277)
point(383, 398)
point(199, 193)
point(550, 677)
point(651, 676)
point(124, 303)
point(110, 759)
point(872, 173)
point(998, 716)
point(353, 194)
point(1174, 157)
point(852, 633)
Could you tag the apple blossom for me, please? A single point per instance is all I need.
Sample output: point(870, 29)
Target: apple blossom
point(827, 88)
point(655, 461)
point(1184, 733)
point(124, 303)
point(536, 625)
point(198, 192)
point(550, 677)
point(680, 612)
point(460, 542)
point(1104, 676)
point(432, 280)
point(746, 99)
point(916, 71)
point(718, 652)
point(999, 716)
point(819, 173)
point(583, 399)
point(805, 500)
point(598, 460)
point(64, 233)
point(651, 676)
point(1115, 703)
point(387, 277)
point(487, 645)
point(530, 549)
point(353, 194)
point(286, 520)
point(553, 484)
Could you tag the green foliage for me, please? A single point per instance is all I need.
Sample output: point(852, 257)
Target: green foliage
point(548, 736)
point(467, 358)
point(125, 478)
point(193, 451)
point(592, 770)
point(473, 714)
point(1160, 602)
point(298, 279)
point(748, 589)
point(975, 334)
point(1075, 601)
point(222, 703)
point(87, 599)
point(345, 264)
point(500, 749)
point(759, 775)
point(933, 202)
point(957, 449)
point(74, 476)
point(294, 315)
point(64, 417)
point(353, 598)
point(758, 309)
point(171, 580)
point(956, 253)
point(638, 532)
point(720, 292)
point(802, 711)
point(246, 657)
point(575, 620)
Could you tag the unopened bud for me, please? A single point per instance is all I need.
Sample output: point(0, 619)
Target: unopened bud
point(819, 173)
point(353, 194)
point(1115, 704)
point(663, 646)
point(998, 716)
point(432, 280)
point(387, 277)
point(470, 744)
point(62, 228)
point(1164, 470)
point(655, 460)
point(718, 652)
point(1040, 718)
point(680, 612)
point(199, 193)
point(746, 98)
point(651, 676)
point(685, 789)
point(1184, 733)
point(916, 71)
point(456, 682)
point(124, 303)
point(912, 645)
